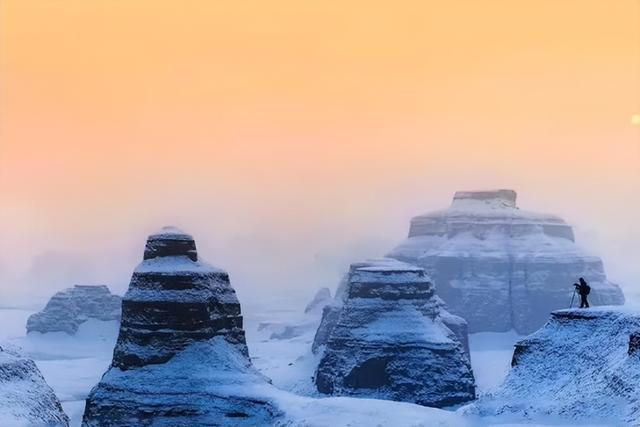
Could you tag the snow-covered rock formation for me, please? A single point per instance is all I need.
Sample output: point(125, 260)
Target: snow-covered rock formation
point(501, 268)
point(319, 301)
point(583, 365)
point(71, 307)
point(181, 358)
point(25, 397)
point(387, 336)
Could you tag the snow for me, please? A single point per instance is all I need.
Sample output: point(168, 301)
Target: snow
point(577, 367)
point(72, 365)
point(173, 264)
point(491, 354)
point(349, 411)
point(500, 267)
point(171, 233)
point(25, 397)
point(406, 325)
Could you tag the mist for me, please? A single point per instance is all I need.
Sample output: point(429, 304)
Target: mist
point(289, 151)
point(289, 244)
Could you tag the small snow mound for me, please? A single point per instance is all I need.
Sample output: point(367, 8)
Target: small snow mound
point(171, 232)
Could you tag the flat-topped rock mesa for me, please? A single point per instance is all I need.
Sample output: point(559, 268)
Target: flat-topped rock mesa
point(71, 307)
point(583, 365)
point(499, 267)
point(181, 357)
point(25, 398)
point(387, 336)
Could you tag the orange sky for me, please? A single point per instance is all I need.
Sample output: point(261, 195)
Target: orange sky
point(310, 127)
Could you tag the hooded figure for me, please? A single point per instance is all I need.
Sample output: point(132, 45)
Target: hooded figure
point(583, 289)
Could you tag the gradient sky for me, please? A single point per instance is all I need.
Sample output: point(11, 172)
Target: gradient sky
point(292, 137)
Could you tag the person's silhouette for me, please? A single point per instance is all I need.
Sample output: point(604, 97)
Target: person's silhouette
point(583, 289)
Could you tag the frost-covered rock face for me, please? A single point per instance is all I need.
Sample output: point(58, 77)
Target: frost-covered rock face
point(68, 309)
point(386, 337)
point(181, 357)
point(499, 267)
point(582, 365)
point(25, 397)
point(319, 301)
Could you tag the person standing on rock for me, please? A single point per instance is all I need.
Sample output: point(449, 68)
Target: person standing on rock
point(583, 289)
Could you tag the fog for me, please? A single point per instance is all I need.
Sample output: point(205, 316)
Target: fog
point(289, 246)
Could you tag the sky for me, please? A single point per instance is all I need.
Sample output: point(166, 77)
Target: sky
point(291, 138)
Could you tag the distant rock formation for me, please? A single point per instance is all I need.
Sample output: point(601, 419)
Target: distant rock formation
point(25, 398)
point(387, 336)
point(321, 298)
point(499, 267)
point(181, 356)
point(304, 326)
point(582, 365)
point(69, 308)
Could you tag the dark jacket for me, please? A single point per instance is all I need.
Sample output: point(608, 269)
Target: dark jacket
point(584, 289)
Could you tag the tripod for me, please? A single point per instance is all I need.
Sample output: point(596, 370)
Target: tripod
point(572, 298)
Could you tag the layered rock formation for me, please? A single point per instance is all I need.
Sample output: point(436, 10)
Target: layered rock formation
point(582, 365)
point(386, 336)
point(25, 397)
point(501, 268)
point(181, 357)
point(69, 308)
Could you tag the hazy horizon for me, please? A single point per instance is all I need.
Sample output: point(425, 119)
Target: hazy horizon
point(292, 139)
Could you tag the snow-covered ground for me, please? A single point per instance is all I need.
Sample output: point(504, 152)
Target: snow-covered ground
point(491, 354)
point(72, 365)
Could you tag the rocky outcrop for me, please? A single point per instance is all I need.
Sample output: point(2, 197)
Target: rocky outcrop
point(582, 365)
point(319, 301)
point(25, 397)
point(499, 267)
point(181, 358)
point(69, 308)
point(386, 336)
